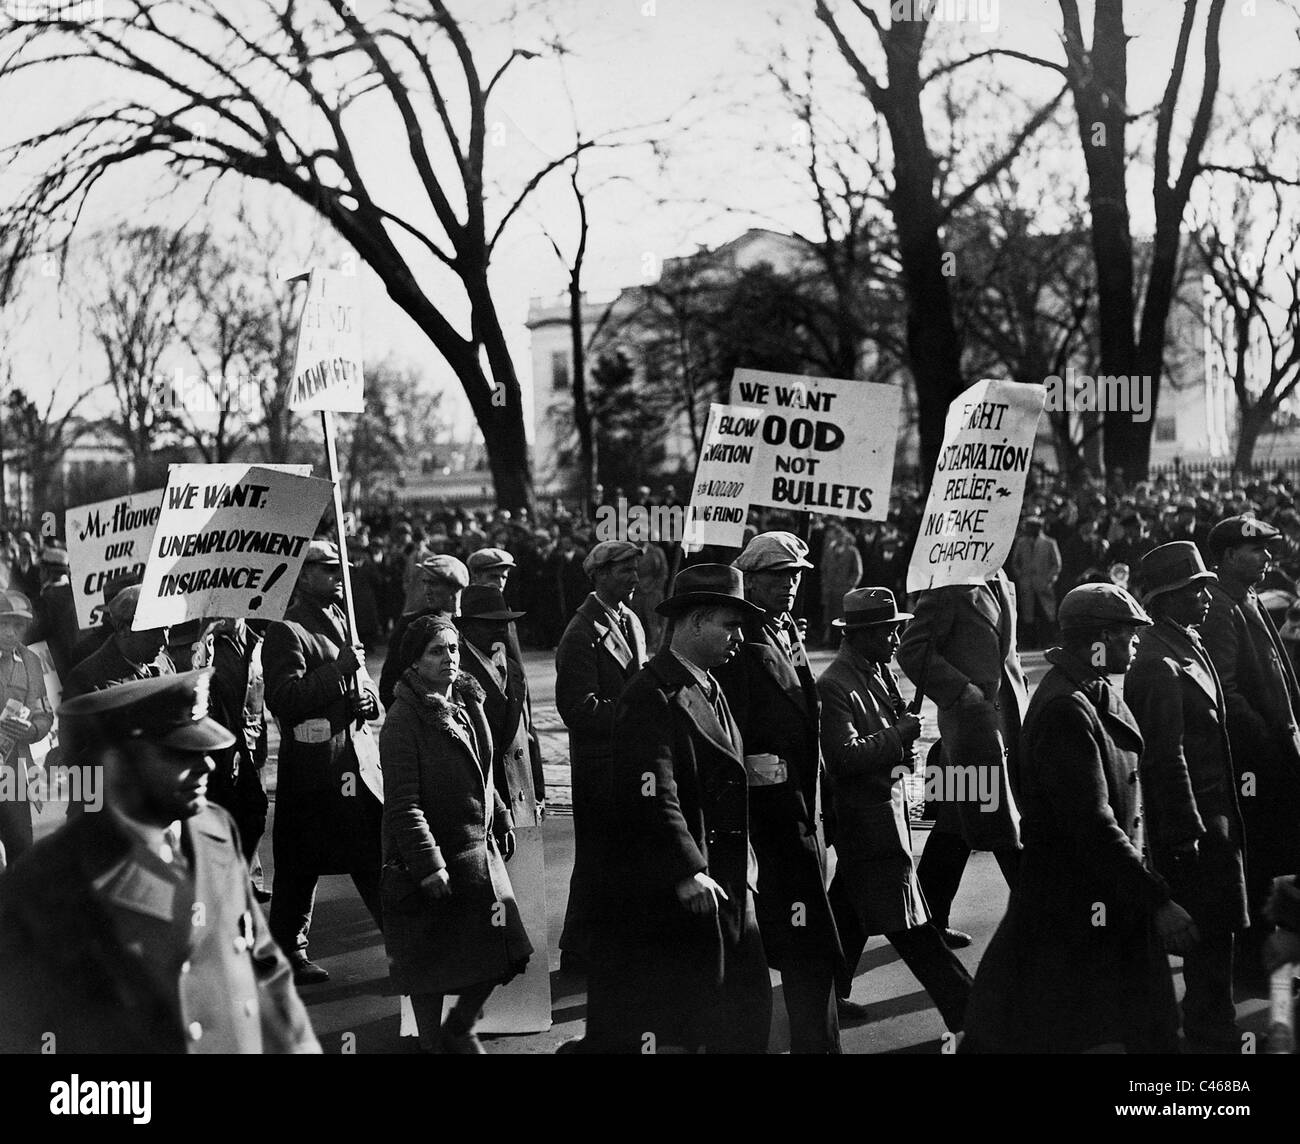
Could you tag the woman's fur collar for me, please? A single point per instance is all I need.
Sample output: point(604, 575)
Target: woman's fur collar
point(465, 689)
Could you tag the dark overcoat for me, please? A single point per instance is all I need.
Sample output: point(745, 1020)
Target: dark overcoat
point(775, 704)
point(1076, 962)
point(1262, 700)
point(875, 876)
point(679, 797)
point(103, 948)
point(966, 633)
point(592, 666)
point(1188, 785)
point(326, 819)
point(442, 812)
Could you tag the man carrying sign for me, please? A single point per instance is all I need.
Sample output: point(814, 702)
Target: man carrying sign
point(326, 819)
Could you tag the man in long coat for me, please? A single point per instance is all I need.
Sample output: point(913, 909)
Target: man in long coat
point(677, 957)
point(868, 739)
point(1193, 821)
point(773, 697)
point(601, 649)
point(326, 819)
point(1262, 702)
point(1078, 963)
point(960, 649)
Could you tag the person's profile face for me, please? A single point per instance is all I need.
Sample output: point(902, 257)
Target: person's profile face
point(12, 631)
point(166, 783)
point(720, 633)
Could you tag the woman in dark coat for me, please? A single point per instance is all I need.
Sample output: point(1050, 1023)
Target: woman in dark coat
point(450, 920)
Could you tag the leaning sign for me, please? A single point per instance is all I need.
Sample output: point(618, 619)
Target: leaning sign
point(820, 444)
point(230, 542)
point(107, 539)
point(327, 371)
point(979, 482)
point(724, 479)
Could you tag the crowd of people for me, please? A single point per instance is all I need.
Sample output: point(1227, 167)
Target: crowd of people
point(710, 771)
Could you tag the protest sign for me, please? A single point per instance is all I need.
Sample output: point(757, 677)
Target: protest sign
point(721, 491)
point(230, 541)
point(973, 509)
point(106, 539)
point(327, 371)
point(820, 444)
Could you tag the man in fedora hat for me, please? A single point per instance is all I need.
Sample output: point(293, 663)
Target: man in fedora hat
point(773, 696)
point(677, 958)
point(601, 649)
point(134, 930)
point(1262, 704)
point(326, 819)
point(1194, 827)
point(25, 718)
point(868, 740)
point(1035, 564)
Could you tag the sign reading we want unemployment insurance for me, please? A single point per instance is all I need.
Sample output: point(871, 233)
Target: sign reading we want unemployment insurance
point(230, 541)
point(973, 509)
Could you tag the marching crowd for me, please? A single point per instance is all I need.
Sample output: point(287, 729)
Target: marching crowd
point(1145, 801)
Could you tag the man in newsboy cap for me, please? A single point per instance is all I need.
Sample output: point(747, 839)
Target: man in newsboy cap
point(445, 577)
point(774, 699)
point(1262, 701)
point(134, 929)
point(601, 649)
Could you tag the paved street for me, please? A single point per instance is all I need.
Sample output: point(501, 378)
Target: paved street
point(356, 1009)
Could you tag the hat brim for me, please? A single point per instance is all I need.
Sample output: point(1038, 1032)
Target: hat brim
point(674, 604)
point(495, 616)
point(202, 735)
point(783, 566)
point(901, 618)
point(1165, 589)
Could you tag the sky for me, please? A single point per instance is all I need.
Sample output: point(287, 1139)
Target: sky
point(689, 74)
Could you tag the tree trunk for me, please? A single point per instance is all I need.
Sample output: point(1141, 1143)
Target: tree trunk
point(1252, 420)
point(581, 410)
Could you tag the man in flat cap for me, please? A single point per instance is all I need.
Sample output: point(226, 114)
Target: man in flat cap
point(1262, 701)
point(492, 567)
point(773, 697)
point(868, 740)
point(326, 818)
point(135, 930)
point(25, 718)
point(444, 577)
point(54, 609)
point(678, 961)
point(601, 649)
point(127, 654)
point(1194, 826)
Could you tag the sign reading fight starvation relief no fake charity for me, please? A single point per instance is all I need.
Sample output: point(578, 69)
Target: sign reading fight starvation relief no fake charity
point(820, 444)
point(973, 509)
point(327, 371)
point(230, 541)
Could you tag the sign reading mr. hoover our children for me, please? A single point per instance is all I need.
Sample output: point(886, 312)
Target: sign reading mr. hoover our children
point(979, 481)
point(230, 542)
point(106, 539)
point(820, 444)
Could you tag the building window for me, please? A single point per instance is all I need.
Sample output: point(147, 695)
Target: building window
point(1166, 428)
point(559, 371)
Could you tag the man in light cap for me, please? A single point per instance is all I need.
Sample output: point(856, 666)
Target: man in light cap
point(773, 697)
point(1262, 703)
point(134, 930)
point(326, 819)
point(128, 654)
point(445, 577)
point(601, 649)
point(1079, 962)
point(1194, 825)
point(491, 567)
point(25, 718)
point(54, 610)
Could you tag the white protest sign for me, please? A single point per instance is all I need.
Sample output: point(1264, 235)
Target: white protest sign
point(327, 362)
point(230, 542)
point(720, 493)
point(823, 445)
point(106, 539)
point(979, 482)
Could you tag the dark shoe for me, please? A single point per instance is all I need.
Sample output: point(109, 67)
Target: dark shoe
point(306, 972)
point(261, 895)
point(851, 1010)
point(955, 939)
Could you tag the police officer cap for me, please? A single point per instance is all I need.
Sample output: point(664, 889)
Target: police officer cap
point(486, 558)
point(1100, 606)
point(1237, 530)
point(444, 567)
point(770, 551)
point(170, 710)
point(609, 552)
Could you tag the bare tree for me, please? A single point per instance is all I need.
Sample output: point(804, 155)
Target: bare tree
point(272, 94)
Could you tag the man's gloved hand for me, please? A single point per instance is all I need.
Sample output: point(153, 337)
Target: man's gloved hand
point(909, 728)
point(364, 706)
point(506, 844)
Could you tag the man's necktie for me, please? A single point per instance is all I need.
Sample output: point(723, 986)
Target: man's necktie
point(171, 851)
point(625, 626)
